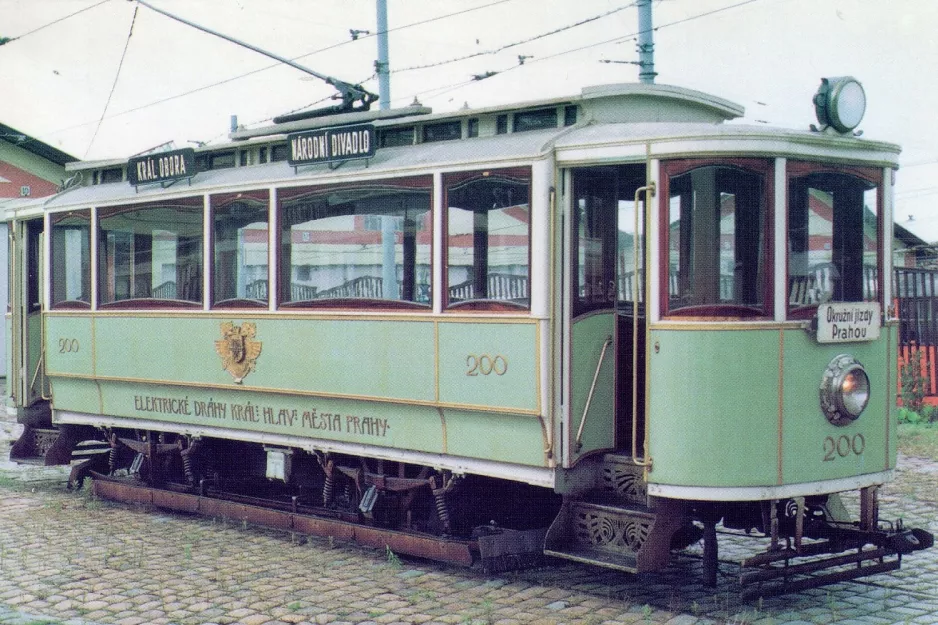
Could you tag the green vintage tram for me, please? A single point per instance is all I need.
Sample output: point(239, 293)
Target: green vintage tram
point(594, 327)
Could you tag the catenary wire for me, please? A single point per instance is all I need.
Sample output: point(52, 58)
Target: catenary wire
point(518, 43)
point(585, 47)
point(52, 23)
point(120, 65)
point(274, 65)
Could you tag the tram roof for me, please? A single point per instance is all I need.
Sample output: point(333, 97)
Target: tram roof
point(615, 123)
point(677, 140)
point(498, 151)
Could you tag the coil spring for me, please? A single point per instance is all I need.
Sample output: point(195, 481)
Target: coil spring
point(442, 509)
point(187, 467)
point(112, 459)
point(327, 490)
point(348, 496)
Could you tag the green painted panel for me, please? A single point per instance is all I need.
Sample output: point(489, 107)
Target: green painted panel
point(392, 359)
point(502, 437)
point(69, 345)
point(516, 439)
point(37, 385)
point(713, 402)
point(714, 409)
point(76, 394)
point(383, 424)
point(489, 364)
point(813, 448)
point(589, 335)
point(348, 357)
point(158, 348)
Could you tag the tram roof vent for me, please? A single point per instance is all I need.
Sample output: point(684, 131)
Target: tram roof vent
point(330, 121)
point(638, 102)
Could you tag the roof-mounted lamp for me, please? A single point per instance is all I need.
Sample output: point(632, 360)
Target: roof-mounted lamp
point(840, 103)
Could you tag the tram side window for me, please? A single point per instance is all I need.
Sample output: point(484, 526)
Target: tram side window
point(833, 237)
point(717, 233)
point(240, 248)
point(367, 243)
point(488, 238)
point(71, 259)
point(151, 255)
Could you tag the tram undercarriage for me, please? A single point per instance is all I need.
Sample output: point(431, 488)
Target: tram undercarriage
point(408, 509)
point(475, 521)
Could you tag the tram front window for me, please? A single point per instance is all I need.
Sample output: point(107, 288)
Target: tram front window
point(716, 240)
point(833, 236)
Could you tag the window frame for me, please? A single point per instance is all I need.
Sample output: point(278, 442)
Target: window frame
point(420, 181)
point(763, 167)
point(197, 205)
point(484, 305)
point(873, 175)
point(69, 304)
point(222, 200)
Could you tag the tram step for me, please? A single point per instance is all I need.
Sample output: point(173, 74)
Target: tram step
point(598, 557)
point(621, 479)
point(32, 445)
point(625, 537)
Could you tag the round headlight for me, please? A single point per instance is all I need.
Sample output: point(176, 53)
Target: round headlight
point(845, 390)
point(840, 103)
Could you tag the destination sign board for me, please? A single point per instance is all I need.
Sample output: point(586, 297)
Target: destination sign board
point(332, 144)
point(161, 167)
point(844, 322)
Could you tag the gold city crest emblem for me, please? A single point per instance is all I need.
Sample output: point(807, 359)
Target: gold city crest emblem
point(238, 349)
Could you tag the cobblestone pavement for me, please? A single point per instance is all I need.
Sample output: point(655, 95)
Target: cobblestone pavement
point(67, 558)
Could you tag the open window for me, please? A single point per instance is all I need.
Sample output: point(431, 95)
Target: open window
point(716, 232)
point(362, 244)
point(834, 234)
point(488, 239)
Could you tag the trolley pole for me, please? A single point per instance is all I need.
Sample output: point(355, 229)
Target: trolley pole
point(646, 43)
point(382, 64)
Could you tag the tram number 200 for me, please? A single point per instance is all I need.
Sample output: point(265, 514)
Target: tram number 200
point(843, 446)
point(68, 346)
point(486, 364)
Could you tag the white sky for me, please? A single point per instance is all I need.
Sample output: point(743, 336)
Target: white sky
point(767, 55)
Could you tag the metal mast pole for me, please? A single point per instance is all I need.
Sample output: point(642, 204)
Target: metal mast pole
point(382, 66)
point(646, 43)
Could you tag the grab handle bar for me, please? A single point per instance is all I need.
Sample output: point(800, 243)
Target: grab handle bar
point(589, 398)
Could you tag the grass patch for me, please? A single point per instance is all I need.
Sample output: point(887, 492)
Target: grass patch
point(10, 483)
point(919, 439)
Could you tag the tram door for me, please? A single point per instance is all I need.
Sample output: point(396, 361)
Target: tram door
point(606, 316)
point(27, 381)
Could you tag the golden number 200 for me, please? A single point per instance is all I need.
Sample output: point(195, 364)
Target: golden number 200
point(485, 364)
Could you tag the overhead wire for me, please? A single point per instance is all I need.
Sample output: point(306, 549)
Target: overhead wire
point(436, 91)
point(591, 45)
point(117, 75)
point(275, 65)
point(518, 43)
point(52, 23)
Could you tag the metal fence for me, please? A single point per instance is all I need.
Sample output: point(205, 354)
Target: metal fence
point(915, 292)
